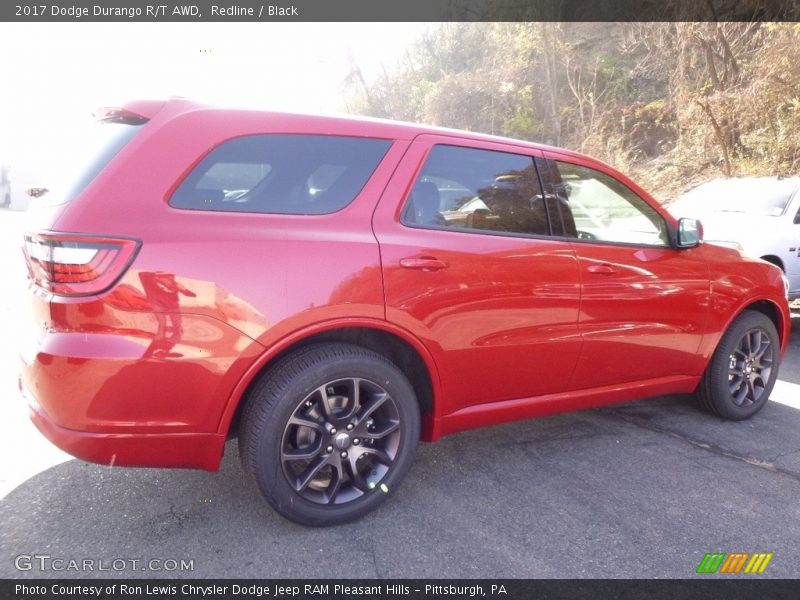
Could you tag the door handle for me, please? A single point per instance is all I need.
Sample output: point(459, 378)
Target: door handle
point(602, 269)
point(425, 263)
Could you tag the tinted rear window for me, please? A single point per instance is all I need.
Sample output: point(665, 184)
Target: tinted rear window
point(284, 174)
point(482, 191)
point(106, 141)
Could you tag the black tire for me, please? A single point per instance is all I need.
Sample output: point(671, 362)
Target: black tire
point(329, 432)
point(743, 370)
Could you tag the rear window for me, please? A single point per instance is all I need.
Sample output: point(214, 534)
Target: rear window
point(283, 174)
point(104, 142)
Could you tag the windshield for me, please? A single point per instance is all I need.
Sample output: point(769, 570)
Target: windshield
point(103, 142)
point(765, 197)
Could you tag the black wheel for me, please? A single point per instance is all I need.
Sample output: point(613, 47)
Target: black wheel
point(329, 432)
point(743, 370)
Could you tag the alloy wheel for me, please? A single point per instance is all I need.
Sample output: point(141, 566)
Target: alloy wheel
point(750, 366)
point(340, 441)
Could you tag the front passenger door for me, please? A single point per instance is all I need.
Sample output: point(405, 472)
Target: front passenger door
point(644, 302)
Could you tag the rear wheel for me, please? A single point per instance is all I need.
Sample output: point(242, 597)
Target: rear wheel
point(329, 432)
point(743, 370)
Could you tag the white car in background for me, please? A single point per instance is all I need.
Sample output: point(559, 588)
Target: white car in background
point(760, 216)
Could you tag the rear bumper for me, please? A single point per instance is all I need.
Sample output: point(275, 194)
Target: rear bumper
point(188, 450)
point(135, 397)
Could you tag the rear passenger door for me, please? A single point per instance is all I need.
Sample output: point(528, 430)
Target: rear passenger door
point(471, 268)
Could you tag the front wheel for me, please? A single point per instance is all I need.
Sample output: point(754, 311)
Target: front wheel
point(743, 370)
point(329, 432)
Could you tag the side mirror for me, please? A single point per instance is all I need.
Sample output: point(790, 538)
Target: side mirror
point(690, 233)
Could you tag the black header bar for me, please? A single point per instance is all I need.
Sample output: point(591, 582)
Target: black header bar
point(399, 10)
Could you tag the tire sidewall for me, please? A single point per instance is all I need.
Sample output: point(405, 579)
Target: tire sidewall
point(720, 365)
point(267, 467)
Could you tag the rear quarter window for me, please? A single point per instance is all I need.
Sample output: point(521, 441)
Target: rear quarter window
point(281, 174)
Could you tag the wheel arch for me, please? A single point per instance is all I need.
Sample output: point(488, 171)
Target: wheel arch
point(775, 260)
point(766, 306)
point(769, 310)
point(715, 392)
point(396, 344)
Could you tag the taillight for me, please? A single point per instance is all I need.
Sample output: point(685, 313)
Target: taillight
point(77, 265)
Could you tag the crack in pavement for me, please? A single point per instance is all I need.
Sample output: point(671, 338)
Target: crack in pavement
point(375, 560)
point(708, 446)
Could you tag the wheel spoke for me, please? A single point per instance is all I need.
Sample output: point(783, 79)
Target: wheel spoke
point(377, 433)
point(336, 483)
point(763, 350)
point(302, 453)
point(739, 392)
point(354, 398)
point(751, 390)
point(764, 363)
point(355, 477)
point(304, 421)
point(325, 401)
point(372, 405)
point(757, 341)
point(378, 454)
point(748, 343)
point(311, 472)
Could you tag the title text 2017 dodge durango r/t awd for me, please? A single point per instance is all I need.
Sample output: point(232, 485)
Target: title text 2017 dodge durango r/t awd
point(335, 289)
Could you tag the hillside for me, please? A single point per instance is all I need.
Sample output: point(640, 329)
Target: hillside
point(671, 104)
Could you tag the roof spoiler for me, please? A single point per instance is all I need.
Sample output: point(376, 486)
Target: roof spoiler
point(119, 115)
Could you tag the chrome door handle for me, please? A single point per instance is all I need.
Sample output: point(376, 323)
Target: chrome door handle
point(425, 263)
point(603, 269)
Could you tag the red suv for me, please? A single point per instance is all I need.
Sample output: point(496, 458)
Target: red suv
point(332, 290)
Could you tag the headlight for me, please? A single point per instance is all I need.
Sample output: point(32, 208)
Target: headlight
point(785, 285)
point(727, 244)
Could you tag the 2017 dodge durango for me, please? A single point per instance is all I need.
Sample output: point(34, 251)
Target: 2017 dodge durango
point(333, 290)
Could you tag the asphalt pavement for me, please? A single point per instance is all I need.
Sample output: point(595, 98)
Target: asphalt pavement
point(636, 490)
